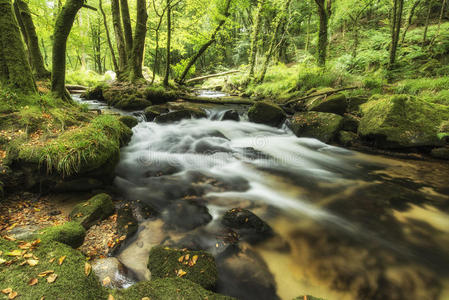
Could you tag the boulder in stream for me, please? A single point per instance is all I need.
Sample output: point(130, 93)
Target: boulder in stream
point(179, 115)
point(266, 112)
point(231, 115)
point(319, 125)
point(95, 209)
point(129, 121)
point(336, 104)
point(186, 215)
point(196, 266)
point(112, 268)
point(441, 153)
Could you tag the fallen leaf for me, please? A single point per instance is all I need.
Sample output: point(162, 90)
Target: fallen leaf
point(110, 297)
point(32, 262)
point(12, 295)
point(28, 255)
point(146, 298)
point(9, 238)
point(187, 256)
point(52, 277)
point(25, 246)
point(181, 273)
point(193, 261)
point(45, 273)
point(15, 253)
point(52, 260)
point(2, 261)
point(106, 281)
point(87, 268)
point(181, 259)
point(61, 259)
point(7, 291)
point(33, 281)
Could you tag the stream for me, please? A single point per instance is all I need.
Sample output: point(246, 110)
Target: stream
point(346, 225)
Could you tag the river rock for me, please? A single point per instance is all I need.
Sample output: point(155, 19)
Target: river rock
point(441, 153)
point(336, 104)
point(126, 221)
point(95, 209)
point(402, 121)
point(231, 115)
point(159, 95)
point(265, 112)
point(70, 233)
point(250, 227)
point(350, 123)
point(129, 121)
point(186, 215)
point(319, 125)
point(95, 93)
point(150, 113)
point(179, 115)
point(196, 266)
point(243, 274)
point(111, 267)
point(25, 232)
point(347, 138)
point(78, 185)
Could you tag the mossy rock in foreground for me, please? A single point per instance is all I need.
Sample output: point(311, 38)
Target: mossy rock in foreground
point(71, 282)
point(129, 121)
point(268, 113)
point(402, 121)
point(95, 209)
point(196, 266)
point(70, 233)
point(336, 104)
point(168, 289)
point(318, 125)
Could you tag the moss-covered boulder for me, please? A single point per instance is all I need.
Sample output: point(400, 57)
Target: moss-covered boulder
point(159, 95)
point(402, 121)
point(186, 113)
point(129, 121)
point(126, 97)
point(266, 112)
point(248, 225)
point(441, 153)
point(336, 104)
point(95, 93)
point(347, 138)
point(350, 122)
point(67, 280)
point(196, 266)
point(82, 184)
point(318, 125)
point(70, 233)
point(95, 209)
point(167, 289)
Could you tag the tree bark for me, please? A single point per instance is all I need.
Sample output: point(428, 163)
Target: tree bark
point(440, 19)
point(135, 66)
point(207, 44)
point(279, 23)
point(410, 19)
point(108, 37)
point(63, 26)
point(254, 39)
point(167, 63)
point(426, 28)
point(127, 27)
point(30, 36)
point(396, 30)
point(15, 70)
point(119, 38)
point(324, 12)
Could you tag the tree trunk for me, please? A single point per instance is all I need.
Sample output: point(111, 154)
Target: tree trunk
point(15, 69)
point(279, 23)
point(396, 30)
point(426, 28)
point(30, 36)
point(63, 26)
point(440, 19)
point(309, 17)
point(324, 11)
point(127, 27)
point(119, 38)
point(207, 44)
point(108, 37)
point(167, 63)
point(410, 19)
point(255, 39)
point(135, 66)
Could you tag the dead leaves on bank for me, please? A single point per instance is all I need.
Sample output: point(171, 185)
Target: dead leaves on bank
point(11, 294)
point(186, 260)
point(87, 269)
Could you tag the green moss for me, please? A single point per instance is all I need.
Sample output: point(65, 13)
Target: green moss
point(159, 95)
point(95, 209)
point(95, 93)
point(70, 233)
point(266, 113)
point(165, 262)
point(129, 121)
point(71, 282)
point(79, 150)
point(336, 104)
point(402, 121)
point(319, 125)
point(167, 289)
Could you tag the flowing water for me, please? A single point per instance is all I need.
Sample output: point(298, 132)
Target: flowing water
point(348, 225)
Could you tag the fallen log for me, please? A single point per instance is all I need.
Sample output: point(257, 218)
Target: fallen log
point(218, 100)
point(319, 94)
point(211, 76)
point(74, 87)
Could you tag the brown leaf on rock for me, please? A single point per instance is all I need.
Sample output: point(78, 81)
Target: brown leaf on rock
point(32, 262)
point(181, 259)
point(52, 260)
point(33, 281)
point(106, 281)
point(7, 291)
point(45, 273)
point(61, 260)
point(52, 277)
point(87, 268)
point(12, 295)
point(181, 273)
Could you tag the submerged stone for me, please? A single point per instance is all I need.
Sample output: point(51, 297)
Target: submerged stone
point(186, 215)
point(265, 112)
point(179, 115)
point(231, 115)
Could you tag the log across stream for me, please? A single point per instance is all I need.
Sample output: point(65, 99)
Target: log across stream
point(346, 225)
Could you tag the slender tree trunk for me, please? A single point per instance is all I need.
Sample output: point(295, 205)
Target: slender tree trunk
point(207, 44)
point(44, 49)
point(156, 51)
point(309, 17)
point(324, 11)
point(167, 63)
point(108, 37)
point(440, 19)
point(355, 45)
point(426, 27)
point(127, 27)
point(138, 42)
point(119, 38)
point(281, 17)
point(396, 29)
point(15, 69)
point(410, 19)
point(255, 39)
point(31, 39)
point(63, 26)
